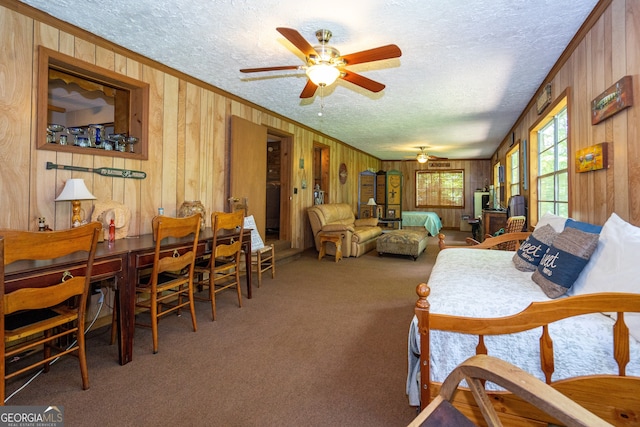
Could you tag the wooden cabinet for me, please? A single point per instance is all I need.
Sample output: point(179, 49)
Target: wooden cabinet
point(493, 221)
point(385, 188)
point(389, 193)
point(366, 191)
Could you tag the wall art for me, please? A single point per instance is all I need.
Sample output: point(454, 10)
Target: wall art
point(592, 158)
point(612, 101)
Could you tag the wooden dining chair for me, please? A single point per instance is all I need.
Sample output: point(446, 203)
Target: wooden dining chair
point(48, 317)
point(480, 368)
point(169, 288)
point(222, 269)
point(263, 256)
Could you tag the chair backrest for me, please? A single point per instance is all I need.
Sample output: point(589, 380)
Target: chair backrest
point(234, 222)
point(169, 227)
point(514, 224)
point(237, 205)
point(39, 245)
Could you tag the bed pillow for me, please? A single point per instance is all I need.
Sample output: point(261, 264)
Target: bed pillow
point(614, 266)
point(555, 221)
point(531, 251)
point(565, 259)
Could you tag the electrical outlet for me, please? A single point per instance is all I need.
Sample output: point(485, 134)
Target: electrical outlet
point(95, 288)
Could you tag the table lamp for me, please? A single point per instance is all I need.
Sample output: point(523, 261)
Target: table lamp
point(371, 203)
point(75, 190)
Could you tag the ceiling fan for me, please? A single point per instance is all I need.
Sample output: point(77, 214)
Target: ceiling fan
point(324, 64)
point(423, 157)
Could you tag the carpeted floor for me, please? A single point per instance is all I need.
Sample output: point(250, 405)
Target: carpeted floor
point(323, 344)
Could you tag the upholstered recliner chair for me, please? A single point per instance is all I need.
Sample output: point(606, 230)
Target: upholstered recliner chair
point(359, 235)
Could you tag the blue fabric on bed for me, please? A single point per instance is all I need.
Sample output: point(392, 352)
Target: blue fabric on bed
point(429, 220)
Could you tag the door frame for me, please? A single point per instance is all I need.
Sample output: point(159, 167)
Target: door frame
point(286, 168)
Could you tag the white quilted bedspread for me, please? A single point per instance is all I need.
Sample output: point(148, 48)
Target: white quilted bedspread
point(484, 283)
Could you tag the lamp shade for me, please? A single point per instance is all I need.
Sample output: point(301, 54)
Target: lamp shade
point(371, 202)
point(75, 189)
point(323, 74)
point(422, 158)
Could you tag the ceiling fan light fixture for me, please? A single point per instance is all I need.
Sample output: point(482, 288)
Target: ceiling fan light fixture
point(422, 157)
point(323, 74)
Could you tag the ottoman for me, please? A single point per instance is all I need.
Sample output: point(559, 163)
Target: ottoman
point(403, 242)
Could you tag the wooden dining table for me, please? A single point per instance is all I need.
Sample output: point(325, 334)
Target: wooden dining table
point(122, 261)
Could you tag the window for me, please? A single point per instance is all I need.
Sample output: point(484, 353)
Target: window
point(440, 189)
point(550, 162)
point(553, 194)
point(497, 186)
point(513, 172)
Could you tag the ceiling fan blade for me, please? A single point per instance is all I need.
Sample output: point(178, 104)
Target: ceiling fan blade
point(362, 81)
point(283, 67)
point(297, 40)
point(376, 54)
point(309, 90)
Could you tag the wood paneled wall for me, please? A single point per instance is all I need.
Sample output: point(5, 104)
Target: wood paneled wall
point(477, 174)
point(609, 51)
point(188, 137)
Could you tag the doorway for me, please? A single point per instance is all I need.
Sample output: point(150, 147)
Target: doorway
point(277, 206)
point(320, 173)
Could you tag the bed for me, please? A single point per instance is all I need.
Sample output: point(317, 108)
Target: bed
point(476, 302)
point(429, 220)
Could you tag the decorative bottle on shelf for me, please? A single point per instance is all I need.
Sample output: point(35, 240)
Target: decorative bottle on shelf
point(112, 231)
point(189, 208)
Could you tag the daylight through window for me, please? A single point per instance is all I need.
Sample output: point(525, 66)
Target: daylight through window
point(440, 189)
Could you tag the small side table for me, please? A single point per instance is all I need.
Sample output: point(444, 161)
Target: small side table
point(335, 239)
point(475, 228)
point(392, 222)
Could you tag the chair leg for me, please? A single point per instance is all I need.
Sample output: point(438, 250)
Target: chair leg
point(212, 296)
point(238, 287)
point(273, 263)
point(82, 357)
point(192, 307)
point(154, 321)
point(46, 350)
point(259, 267)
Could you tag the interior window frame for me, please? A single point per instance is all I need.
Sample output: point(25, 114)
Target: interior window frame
point(418, 190)
point(136, 110)
point(559, 103)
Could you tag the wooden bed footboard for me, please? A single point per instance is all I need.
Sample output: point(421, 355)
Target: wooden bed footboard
point(488, 243)
point(614, 398)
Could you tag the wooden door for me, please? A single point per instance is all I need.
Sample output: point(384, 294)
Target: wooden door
point(248, 154)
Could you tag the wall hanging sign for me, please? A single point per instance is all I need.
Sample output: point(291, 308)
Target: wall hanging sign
point(439, 165)
point(113, 172)
point(592, 158)
point(543, 99)
point(612, 101)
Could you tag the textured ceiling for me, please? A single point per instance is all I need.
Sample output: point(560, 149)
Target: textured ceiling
point(467, 70)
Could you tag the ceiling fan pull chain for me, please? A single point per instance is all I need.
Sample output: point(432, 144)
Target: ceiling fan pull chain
point(321, 101)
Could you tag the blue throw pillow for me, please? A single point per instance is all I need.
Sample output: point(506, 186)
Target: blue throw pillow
point(564, 260)
point(584, 226)
point(531, 251)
